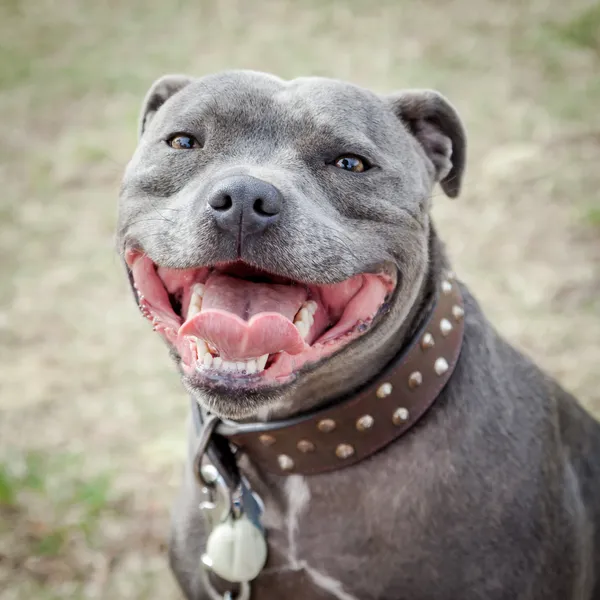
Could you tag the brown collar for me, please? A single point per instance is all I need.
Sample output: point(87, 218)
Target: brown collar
point(360, 425)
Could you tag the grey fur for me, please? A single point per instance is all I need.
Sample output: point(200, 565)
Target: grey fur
point(496, 493)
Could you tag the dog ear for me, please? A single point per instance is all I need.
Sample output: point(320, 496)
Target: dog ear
point(162, 89)
point(434, 122)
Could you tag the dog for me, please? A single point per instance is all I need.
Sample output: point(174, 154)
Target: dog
point(250, 199)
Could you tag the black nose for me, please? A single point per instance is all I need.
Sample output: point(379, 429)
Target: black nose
point(245, 205)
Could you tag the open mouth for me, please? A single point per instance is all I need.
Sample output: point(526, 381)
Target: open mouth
point(235, 323)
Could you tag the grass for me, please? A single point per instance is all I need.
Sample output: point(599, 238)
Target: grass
point(52, 512)
point(92, 415)
point(583, 30)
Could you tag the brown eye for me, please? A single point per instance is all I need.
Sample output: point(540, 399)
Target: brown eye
point(351, 163)
point(181, 141)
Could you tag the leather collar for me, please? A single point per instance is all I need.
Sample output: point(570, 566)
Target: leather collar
point(356, 427)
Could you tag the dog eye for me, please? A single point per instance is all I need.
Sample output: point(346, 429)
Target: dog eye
point(352, 163)
point(182, 141)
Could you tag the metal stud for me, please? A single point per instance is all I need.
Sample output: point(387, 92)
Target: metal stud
point(446, 287)
point(305, 446)
point(458, 312)
point(440, 366)
point(445, 327)
point(209, 473)
point(326, 425)
point(427, 341)
point(285, 462)
point(266, 439)
point(365, 422)
point(415, 379)
point(385, 389)
point(400, 416)
point(344, 451)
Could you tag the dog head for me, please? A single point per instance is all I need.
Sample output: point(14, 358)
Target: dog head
point(276, 233)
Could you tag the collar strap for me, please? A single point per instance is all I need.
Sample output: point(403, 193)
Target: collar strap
point(365, 422)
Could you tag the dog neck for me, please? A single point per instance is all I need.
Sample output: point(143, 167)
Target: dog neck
point(369, 418)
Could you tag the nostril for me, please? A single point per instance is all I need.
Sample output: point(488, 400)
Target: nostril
point(261, 208)
point(265, 208)
point(222, 203)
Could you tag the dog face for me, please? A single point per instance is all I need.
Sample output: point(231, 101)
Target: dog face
point(275, 232)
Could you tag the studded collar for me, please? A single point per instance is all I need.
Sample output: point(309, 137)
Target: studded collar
point(356, 427)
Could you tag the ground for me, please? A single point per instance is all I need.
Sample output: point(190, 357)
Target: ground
point(91, 411)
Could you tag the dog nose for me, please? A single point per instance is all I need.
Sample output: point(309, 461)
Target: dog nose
point(244, 204)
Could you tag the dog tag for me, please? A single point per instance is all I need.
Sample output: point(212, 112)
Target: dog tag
point(236, 550)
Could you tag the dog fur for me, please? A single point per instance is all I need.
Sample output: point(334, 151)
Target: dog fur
point(495, 494)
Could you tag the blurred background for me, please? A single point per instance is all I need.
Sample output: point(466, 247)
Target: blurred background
point(91, 411)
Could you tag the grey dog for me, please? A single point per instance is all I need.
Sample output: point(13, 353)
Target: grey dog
point(495, 494)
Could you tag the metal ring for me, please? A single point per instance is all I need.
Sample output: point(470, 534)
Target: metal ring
point(243, 594)
point(207, 430)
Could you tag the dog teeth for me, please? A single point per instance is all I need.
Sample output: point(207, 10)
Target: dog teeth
point(202, 347)
point(207, 361)
point(195, 300)
point(304, 318)
point(261, 362)
point(302, 327)
point(304, 315)
point(311, 306)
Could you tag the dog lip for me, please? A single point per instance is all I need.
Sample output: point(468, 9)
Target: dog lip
point(134, 251)
point(341, 312)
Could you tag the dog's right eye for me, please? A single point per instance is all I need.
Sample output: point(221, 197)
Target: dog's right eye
point(183, 141)
point(351, 162)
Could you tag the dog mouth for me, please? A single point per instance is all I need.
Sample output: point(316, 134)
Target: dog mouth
point(234, 324)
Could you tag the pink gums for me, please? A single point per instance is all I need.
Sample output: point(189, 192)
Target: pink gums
point(243, 319)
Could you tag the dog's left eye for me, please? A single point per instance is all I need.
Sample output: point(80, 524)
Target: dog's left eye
point(352, 163)
point(182, 141)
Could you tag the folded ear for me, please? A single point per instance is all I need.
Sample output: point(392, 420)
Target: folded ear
point(435, 123)
point(162, 89)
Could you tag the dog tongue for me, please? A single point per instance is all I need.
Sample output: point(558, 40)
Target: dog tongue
point(244, 320)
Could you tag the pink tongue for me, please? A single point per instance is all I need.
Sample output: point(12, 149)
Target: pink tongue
point(245, 320)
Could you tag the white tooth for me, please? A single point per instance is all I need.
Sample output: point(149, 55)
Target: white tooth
point(194, 307)
point(195, 300)
point(241, 366)
point(302, 328)
point(251, 367)
point(228, 366)
point(208, 360)
point(217, 362)
point(261, 362)
point(202, 347)
point(303, 315)
point(311, 306)
point(198, 289)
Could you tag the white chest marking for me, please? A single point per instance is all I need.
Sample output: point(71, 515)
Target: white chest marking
point(298, 496)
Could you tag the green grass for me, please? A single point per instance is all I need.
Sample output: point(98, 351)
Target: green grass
point(67, 502)
point(592, 216)
point(583, 30)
